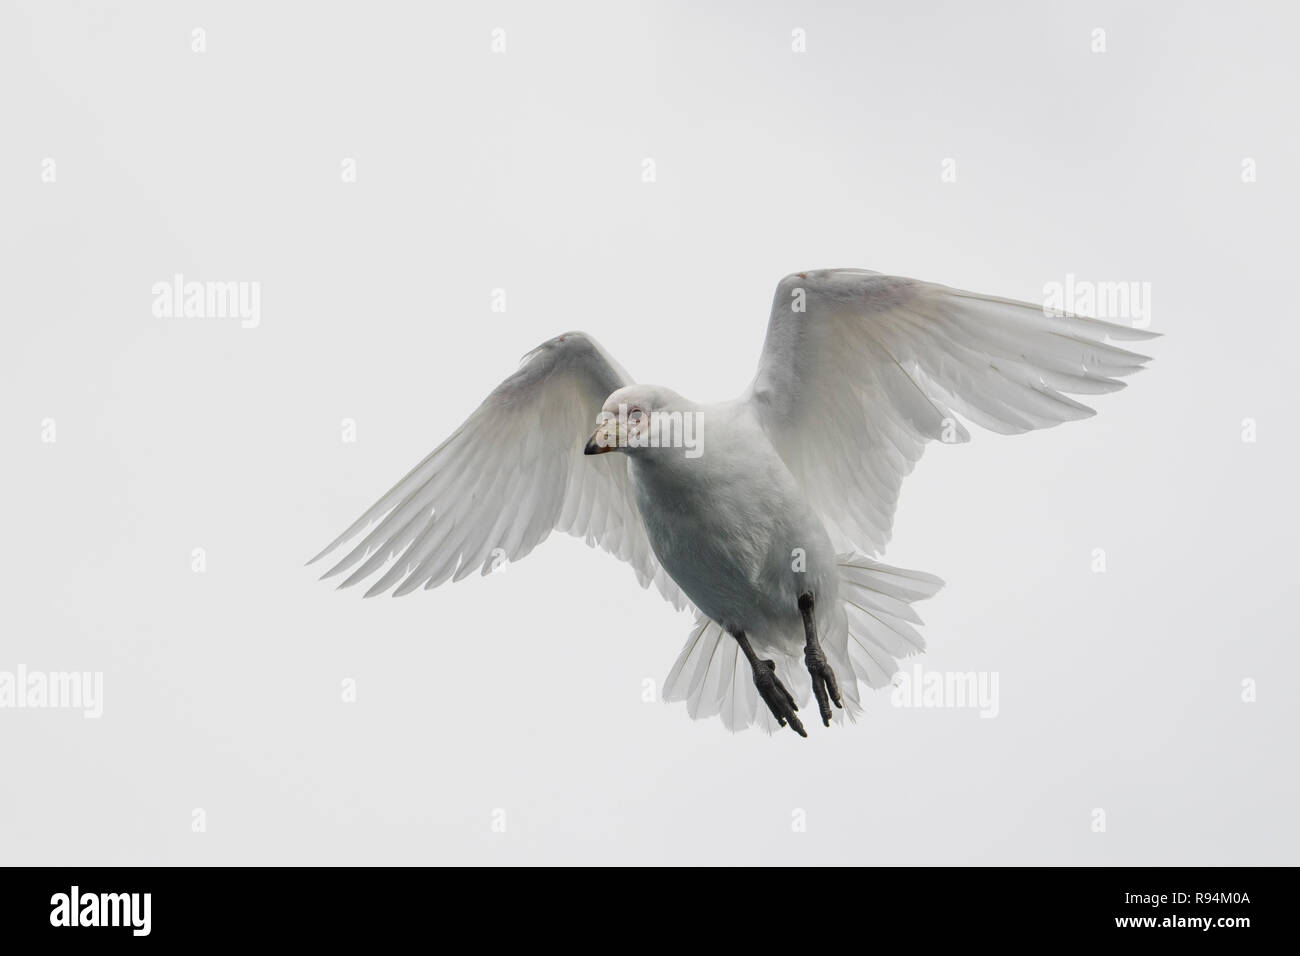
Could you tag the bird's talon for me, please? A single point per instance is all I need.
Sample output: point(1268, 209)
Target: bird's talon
point(825, 687)
point(778, 699)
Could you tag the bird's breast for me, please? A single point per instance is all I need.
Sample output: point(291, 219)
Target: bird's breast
point(729, 534)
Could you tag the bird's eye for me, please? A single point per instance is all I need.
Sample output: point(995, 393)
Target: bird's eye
point(634, 415)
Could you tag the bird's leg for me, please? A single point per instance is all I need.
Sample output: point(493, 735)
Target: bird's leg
point(825, 687)
point(770, 688)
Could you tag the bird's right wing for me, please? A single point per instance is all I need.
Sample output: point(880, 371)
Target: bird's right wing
point(505, 479)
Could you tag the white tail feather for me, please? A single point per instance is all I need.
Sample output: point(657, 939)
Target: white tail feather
point(714, 679)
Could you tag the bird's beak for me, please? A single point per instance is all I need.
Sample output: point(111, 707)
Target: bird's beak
point(602, 440)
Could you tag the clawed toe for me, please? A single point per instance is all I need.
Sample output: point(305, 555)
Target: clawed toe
point(777, 698)
point(825, 687)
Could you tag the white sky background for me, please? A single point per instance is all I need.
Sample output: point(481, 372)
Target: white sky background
point(522, 171)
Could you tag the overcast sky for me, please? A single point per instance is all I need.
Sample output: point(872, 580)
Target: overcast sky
point(377, 171)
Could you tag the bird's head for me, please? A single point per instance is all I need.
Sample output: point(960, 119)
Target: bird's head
point(638, 418)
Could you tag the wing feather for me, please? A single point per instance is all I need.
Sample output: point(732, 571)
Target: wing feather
point(860, 371)
point(511, 474)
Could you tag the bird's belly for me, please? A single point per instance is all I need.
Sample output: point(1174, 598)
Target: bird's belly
point(742, 553)
point(713, 569)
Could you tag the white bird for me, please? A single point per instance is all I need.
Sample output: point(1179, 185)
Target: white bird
point(758, 514)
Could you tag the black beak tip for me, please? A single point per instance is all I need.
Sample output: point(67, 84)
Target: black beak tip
point(591, 448)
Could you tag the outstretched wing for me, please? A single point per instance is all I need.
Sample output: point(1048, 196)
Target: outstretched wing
point(505, 479)
point(859, 370)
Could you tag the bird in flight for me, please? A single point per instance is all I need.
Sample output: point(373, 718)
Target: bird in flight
point(761, 515)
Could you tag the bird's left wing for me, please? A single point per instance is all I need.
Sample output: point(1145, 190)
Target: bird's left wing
point(505, 479)
point(860, 370)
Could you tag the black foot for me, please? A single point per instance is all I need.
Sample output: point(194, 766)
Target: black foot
point(777, 698)
point(825, 687)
